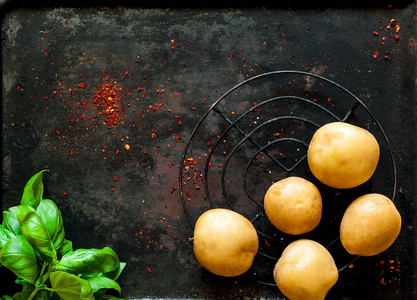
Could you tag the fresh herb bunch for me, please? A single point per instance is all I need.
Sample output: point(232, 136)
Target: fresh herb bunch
point(34, 248)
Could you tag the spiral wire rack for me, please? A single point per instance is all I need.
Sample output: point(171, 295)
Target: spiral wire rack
point(246, 128)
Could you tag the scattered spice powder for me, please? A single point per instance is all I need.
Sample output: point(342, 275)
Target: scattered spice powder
point(106, 100)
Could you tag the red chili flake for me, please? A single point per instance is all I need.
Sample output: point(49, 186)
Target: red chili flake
point(266, 26)
point(177, 138)
point(397, 28)
point(153, 135)
point(173, 190)
point(71, 153)
point(396, 37)
point(82, 85)
point(276, 134)
point(351, 266)
point(126, 73)
point(149, 270)
point(179, 122)
point(376, 54)
point(156, 107)
point(172, 42)
point(116, 178)
point(220, 165)
point(65, 193)
point(57, 132)
point(375, 33)
point(69, 91)
point(106, 100)
point(266, 243)
point(170, 165)
point(393, 22)
point(387, 57)
point(137, 59)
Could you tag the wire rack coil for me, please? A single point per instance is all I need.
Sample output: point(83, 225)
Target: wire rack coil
point(258, 133)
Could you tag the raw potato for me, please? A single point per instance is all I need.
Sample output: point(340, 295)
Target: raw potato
point(305, 270)
point(225, 242)
point(370, 225)
point(342, 155)
point(293, 205)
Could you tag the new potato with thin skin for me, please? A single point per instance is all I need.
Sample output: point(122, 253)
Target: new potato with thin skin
point(370, 225)
point(293, 205)
point(305, 271)
point(342, 155)
point(225, 242)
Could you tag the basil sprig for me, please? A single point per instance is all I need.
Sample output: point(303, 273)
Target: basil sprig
point(34, 248)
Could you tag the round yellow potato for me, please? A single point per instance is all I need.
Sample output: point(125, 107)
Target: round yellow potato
point(342, 155)
point(305, 270)
point(225, 242)
point(293, 205)
point(370, 225)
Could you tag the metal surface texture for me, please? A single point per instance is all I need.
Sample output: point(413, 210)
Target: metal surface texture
point(114, 174)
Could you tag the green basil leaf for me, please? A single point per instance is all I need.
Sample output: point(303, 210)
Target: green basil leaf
point(33, 229)
point(116, 273)
point(10, 222)
point(24, 293)
point(5, 236)
point(52, 218)
point(99, 294)
point(32, 194)
point(109, 297)
point(6, 297)
point(112, 274)
point(19, 257)
point(99, 282)
point(89, 261)
point(42, 295)
point(65, 248)
point(21, 211)
point(71, 287)
point(24, 282)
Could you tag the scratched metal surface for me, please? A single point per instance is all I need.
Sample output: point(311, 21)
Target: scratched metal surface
point(183, 59)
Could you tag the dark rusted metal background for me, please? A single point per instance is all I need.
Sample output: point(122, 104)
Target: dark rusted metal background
point(183, 58)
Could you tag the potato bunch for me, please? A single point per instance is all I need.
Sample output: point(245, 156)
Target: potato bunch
point(341, 156)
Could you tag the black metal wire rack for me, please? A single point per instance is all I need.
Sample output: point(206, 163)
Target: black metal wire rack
point(257, 133)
